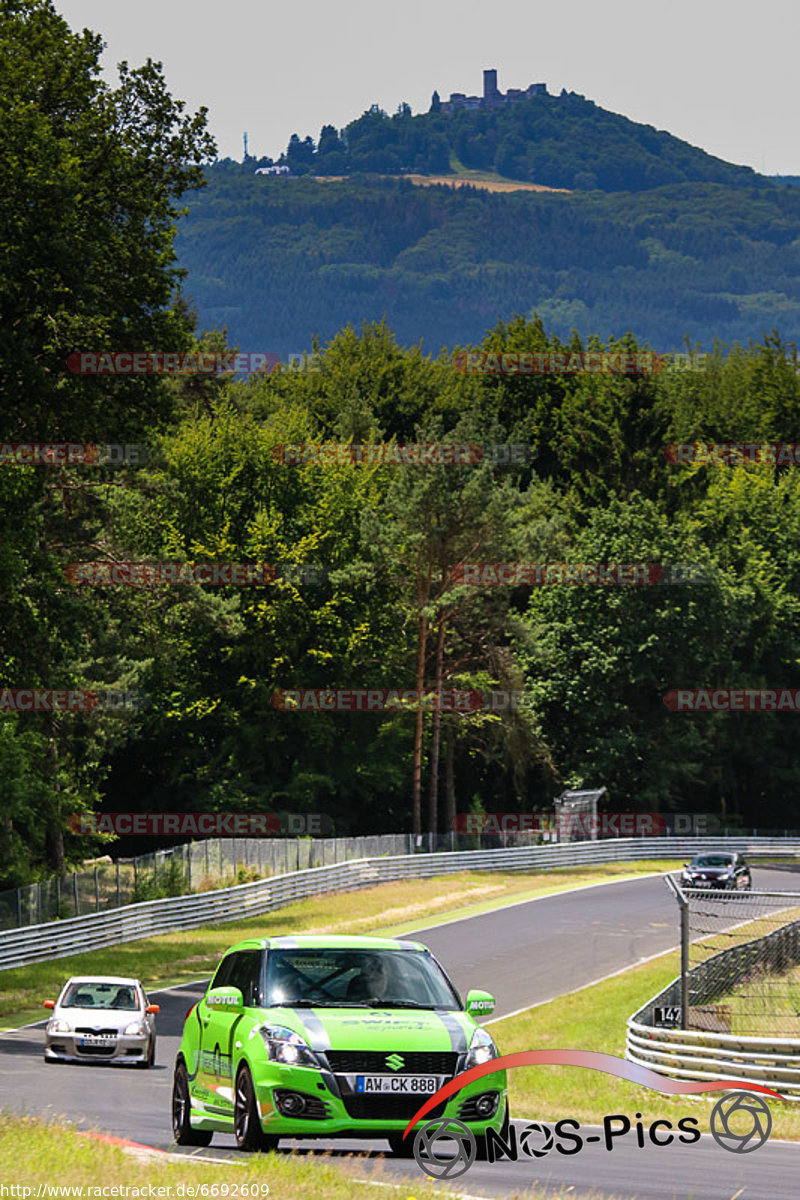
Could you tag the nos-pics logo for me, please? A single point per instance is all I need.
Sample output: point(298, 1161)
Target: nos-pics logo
point(445, 1148)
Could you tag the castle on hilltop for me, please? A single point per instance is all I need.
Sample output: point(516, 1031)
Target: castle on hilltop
point(491, 98)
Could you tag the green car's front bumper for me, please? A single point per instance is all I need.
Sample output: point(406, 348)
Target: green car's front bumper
point(333, 1108)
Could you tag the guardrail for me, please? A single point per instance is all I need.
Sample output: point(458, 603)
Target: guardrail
point(695, 1054)
point(57, 939)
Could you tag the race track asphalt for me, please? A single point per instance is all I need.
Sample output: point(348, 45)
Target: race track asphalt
point(523, 954)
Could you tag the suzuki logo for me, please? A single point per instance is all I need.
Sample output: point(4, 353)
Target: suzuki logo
point(395, 1062)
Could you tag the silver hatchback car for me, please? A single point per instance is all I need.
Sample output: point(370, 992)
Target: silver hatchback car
point(101, 1018)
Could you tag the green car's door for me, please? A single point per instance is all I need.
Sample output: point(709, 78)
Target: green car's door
point(219, 1023)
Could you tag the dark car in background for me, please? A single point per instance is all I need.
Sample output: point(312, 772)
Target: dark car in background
point(717, 869)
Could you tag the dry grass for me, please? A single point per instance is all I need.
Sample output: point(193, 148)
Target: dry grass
point(489, 185)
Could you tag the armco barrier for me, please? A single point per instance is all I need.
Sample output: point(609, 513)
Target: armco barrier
point(57, 939)
point(695, 1054)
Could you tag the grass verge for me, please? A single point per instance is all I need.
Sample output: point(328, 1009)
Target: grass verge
point(390, 908)
point(34, 1153)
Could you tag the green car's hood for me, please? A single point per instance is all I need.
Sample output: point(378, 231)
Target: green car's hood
point(377, 1028)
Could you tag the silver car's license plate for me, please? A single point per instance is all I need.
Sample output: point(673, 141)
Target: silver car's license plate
point(404, 1085)
point(103, 1043)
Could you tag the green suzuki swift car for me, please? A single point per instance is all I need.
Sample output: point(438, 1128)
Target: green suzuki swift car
point(320, 1037)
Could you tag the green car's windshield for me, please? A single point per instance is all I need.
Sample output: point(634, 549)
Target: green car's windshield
point(356, 978)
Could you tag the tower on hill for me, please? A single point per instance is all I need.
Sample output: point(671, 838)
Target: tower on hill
point(490, 91)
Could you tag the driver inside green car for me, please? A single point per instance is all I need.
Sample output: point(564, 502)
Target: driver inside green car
point(372, 982)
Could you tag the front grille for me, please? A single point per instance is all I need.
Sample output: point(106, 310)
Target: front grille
point(98, 1050)
point(86, 1031)
point(373, 1062)
point(387, 1108)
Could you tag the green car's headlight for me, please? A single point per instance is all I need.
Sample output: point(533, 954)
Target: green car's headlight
point(286, 1046)
point(481, 1049)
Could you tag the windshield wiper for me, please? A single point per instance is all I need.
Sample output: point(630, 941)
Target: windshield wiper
point(404, 1004)
point(323, 1004)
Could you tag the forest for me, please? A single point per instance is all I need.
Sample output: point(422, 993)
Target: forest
point(277, 260)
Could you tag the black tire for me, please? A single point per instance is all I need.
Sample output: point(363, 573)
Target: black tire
point(246, 1122)
point(402, 1147)
point(181, 1128)
point(150, 1061)
point(481, 1152)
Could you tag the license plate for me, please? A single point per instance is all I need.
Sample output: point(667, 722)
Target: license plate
point(106, 1043)
point(404, 1085)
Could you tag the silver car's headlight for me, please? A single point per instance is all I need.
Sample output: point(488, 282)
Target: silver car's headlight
point(481, 1049)
point(134, 1029)
point(286, 1046)
point(58, 1025)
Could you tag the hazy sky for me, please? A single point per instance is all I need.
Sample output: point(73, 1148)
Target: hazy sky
point(722, 74)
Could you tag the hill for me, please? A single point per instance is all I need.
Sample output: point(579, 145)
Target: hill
point(561, 141)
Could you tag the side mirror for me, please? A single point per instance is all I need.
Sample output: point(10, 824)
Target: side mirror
point(686, 864)
point(153, 1008)
point(479, 1004)
point(49, 1003)
point(225, 999)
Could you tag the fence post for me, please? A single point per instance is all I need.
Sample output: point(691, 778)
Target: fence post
point(96, 890)
point(119, 890)
point(75, 893)
point(58, 896)
point(684, 962)
point(19, 908)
